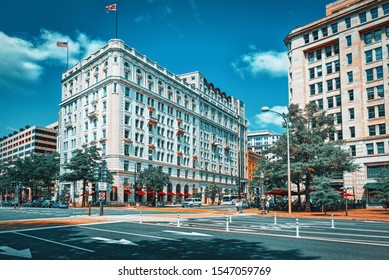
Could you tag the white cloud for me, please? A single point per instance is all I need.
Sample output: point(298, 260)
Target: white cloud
point(269, 118)
point(257, 62)
point(23, 62)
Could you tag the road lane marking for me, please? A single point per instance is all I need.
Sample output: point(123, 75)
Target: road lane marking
point(129, 233)
point(25, 253)
point(112, 241)
point(187, 233)
point(54, 242)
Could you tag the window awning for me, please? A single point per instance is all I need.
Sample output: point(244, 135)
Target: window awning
point(370, 186)
point(180, 194)
point(171, 193)
point(187, 194)
point(161, 193)
point(127, 192)
point(150, 192)
point(140, 192)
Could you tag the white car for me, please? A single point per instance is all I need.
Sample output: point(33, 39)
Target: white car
point(191, 202)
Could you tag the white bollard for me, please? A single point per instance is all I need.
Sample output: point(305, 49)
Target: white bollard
point(332, 221)
point(140, 217)
point(229, 210)
point(297, 228)
point(227, 226)
point(275, 218)
point(178, 219)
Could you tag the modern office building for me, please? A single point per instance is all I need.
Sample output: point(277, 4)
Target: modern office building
point(260, 141)
point(139, 114)
point(27, 141)
point(341, 62)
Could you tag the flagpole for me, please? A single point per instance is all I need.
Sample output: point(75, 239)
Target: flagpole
point(67, 55)
point(116, 19)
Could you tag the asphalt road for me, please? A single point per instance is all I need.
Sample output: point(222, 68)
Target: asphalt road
point(199, 237)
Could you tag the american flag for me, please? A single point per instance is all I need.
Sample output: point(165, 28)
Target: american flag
point(110, 8)
point(62, 44)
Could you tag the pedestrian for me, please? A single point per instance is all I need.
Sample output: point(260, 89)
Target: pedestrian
point(240, 206)
point(237, 205)
point(267, 206)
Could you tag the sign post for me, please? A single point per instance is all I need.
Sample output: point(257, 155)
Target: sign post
point(102, 198)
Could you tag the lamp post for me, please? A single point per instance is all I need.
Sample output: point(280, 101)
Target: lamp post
point(263, 196)
point(266, 109)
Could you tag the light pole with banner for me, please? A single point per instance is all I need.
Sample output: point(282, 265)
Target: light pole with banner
point(266, 109)
point(263, 195)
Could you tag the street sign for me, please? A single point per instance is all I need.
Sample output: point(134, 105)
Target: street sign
point(101, 196)
point(103, 186)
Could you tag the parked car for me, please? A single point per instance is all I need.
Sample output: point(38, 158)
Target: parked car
point(47, 204)
point(191, 202)
point(60, 205)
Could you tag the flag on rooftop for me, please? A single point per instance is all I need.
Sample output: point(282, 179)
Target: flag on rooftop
point(110, 8)
point(62, 44)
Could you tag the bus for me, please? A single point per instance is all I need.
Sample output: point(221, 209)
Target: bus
point(229, 199)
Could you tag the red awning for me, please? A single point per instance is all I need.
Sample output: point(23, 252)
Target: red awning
point(180, 194)
point(127, 192)
point(171, 193)
point(150, 192)
point(344, 194)
point(140, 192)
point(280, 192)
point(187, 194)
point(161, 193)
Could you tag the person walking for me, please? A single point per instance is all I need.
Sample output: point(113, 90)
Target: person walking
point(267, 206)
point(237, 205)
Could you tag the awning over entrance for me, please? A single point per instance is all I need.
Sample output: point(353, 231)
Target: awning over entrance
point(180, 194)
point(161, 193)
point(186, 194)
point(150, 192)
point(127, 192)
point(140, 192)
point(370, 186)
point(171, 193)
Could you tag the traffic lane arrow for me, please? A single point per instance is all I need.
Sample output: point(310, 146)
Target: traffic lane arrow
point(25, 253)
point(188, 233)
point(112, 241)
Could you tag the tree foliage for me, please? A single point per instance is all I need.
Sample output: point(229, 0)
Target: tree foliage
point(81, 168)
point(36, 172)
point(382, 190)
point(154, 179)
point(212, 192)
point(311, 154)
point(324, 195)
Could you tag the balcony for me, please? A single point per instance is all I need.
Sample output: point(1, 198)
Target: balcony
point(214, 143)
point(126, 140)
point(92, 143)
point(179, 120)
point(103, 140)
point(180, 153)
point(151, 146)
point(69, 124)
point(152, 121)
point(93, 115)
point(180, 131)
point(151, 108)
point(194, 157)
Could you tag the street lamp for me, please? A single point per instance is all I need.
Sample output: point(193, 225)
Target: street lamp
point(266, 109)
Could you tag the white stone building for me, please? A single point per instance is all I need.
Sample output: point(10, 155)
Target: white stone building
point(341, 62)
point(140, 114)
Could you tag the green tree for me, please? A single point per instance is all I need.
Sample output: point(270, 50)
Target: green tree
point(311, 154)
point(212, 192)
point(47, 169)
point(154, 179)
point(382, 190)
point(81, 168)
point(324, 195)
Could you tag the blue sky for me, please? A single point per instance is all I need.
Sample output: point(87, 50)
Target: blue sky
point(237, 45)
